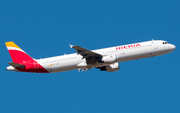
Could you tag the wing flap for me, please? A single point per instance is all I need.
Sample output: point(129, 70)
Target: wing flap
point(89, 55)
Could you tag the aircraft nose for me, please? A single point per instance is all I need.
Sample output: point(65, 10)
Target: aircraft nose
point(173, 47)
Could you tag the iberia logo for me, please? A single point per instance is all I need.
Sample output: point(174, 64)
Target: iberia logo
point(127, 46)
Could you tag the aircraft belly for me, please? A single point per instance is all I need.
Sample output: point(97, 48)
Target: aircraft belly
point(135, 54)
point(65, 65)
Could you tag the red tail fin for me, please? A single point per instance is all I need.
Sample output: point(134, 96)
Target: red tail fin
point(17, 54)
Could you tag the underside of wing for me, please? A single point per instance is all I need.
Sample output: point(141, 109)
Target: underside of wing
point(90, 56)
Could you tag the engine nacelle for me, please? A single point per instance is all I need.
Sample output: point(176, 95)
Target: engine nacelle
point(111, 68)
point(109, 59)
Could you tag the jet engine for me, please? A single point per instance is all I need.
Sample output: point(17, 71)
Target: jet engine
point(110, 68)
point(109, 59)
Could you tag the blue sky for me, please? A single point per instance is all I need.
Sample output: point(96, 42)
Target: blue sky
point(45, 28)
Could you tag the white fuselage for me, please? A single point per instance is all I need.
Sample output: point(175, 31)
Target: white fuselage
point(122, 53)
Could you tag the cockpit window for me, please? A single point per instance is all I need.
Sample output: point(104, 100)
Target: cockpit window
point(165, 42)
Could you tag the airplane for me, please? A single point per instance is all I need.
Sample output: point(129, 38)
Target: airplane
point(106, 59)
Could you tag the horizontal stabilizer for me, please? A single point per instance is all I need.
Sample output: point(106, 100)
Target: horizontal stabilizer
point(16, 65)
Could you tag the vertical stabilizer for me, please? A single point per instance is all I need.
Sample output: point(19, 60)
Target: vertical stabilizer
point(17, 54)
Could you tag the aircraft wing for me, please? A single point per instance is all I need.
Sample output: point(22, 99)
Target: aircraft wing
point(89, 55)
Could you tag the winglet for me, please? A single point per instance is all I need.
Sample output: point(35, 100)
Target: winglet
point(71, 46)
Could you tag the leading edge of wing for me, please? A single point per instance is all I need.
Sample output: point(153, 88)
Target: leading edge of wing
point(84, 52)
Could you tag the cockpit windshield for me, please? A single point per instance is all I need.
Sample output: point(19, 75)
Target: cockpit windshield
point(165, 42)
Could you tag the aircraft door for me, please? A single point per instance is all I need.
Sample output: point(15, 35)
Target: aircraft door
point(121, 55)
point(156, 45)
